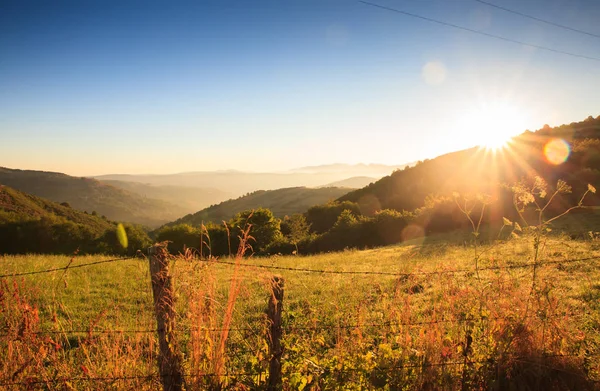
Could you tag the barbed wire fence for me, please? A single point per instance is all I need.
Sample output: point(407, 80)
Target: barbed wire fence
point(173, 377)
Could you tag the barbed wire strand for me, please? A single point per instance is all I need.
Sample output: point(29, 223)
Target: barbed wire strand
point(322, 271)
point(306, 327)
point(66, 267)
point(394, 274)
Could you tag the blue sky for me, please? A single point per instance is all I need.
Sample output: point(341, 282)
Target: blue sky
point(157, 87)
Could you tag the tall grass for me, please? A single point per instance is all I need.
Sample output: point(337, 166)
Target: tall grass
point(355, 332)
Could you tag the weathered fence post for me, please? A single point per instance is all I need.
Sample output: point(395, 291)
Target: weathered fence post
point(169, 359)
point(275, 349)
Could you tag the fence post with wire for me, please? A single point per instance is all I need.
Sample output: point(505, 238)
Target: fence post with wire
point(169, 358)
point(275, 330)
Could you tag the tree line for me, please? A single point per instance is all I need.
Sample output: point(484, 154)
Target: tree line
point(53, 235)
point(331, 227)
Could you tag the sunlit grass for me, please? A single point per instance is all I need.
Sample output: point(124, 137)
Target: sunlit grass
point(319, 310)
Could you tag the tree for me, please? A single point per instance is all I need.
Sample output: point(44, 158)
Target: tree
point(323, 217)
point(345, 220)
point(265, 228)
point(298, 229)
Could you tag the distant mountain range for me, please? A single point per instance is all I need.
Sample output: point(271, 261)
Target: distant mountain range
point(281, 202)
point(237, 182)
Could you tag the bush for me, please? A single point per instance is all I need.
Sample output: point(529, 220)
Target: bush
point(180, 236)
point(282, 246)
point(323, 217)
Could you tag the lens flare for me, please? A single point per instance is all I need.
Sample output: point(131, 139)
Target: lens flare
point(122, 235)
point(557, 151)
point(434, 73)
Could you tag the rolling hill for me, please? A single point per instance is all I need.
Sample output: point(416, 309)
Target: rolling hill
point(17, 206)
point(30, 224)
point(91, 195)
point(281, 202)
point(190, 199)
point(480, 170)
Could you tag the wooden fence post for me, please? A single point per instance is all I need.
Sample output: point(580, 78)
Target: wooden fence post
point(275, 349)
point(169, 359)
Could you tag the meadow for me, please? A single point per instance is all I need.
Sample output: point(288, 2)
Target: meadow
point(420, 317)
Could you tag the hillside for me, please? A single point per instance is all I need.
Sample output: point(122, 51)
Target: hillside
point(30, 224)
point(19, 207)
point(189, 199)
point(480, 170)
point(92, 195)
point(281, 202)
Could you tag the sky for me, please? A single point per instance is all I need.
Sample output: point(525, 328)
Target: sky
point(98, 87)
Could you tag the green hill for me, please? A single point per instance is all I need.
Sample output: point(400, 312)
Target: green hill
point(92, 195)
point(30, 224)
point(281, 202)
point(17, 206)
point(480, 170)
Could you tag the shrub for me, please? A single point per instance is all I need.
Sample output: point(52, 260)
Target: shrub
point(323, 217)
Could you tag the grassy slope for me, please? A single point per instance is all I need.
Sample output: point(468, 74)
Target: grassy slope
point(20, 206)
point(118, 296)
point(281, 202)
point(92, 195)
point(190, 199)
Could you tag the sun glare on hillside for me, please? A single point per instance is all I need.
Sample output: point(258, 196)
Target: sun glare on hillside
point(492, 126)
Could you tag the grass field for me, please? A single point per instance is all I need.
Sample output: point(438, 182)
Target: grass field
point(417, 325)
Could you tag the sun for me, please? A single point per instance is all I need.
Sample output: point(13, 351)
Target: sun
point(491, 126)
